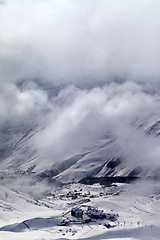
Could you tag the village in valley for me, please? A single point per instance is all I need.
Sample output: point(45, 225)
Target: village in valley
point(74, 210)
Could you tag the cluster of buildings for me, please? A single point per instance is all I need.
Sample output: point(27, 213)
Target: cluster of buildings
point(88, 214)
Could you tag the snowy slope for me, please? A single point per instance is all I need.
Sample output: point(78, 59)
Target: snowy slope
point(23, 217)
point(104, 158)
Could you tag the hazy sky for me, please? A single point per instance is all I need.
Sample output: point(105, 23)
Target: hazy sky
point(104, 53)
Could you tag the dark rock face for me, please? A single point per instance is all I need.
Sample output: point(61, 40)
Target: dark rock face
point(108, 180)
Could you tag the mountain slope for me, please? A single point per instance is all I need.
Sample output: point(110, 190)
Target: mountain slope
point(104, 158)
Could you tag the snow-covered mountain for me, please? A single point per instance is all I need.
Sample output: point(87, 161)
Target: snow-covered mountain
point(102, 159)
point(79, 120)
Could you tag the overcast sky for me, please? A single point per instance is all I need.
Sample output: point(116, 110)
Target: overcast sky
point(86, 40)
point(104, 53)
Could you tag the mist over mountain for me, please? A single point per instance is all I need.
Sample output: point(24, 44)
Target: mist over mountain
point(74, 73)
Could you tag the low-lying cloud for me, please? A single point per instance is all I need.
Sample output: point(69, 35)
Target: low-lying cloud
point(89, 115)
point(101, 57)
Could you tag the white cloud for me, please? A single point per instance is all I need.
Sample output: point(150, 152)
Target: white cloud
point(19, 104)
point(84, 46)
point(68, 41)
point(92, 114)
